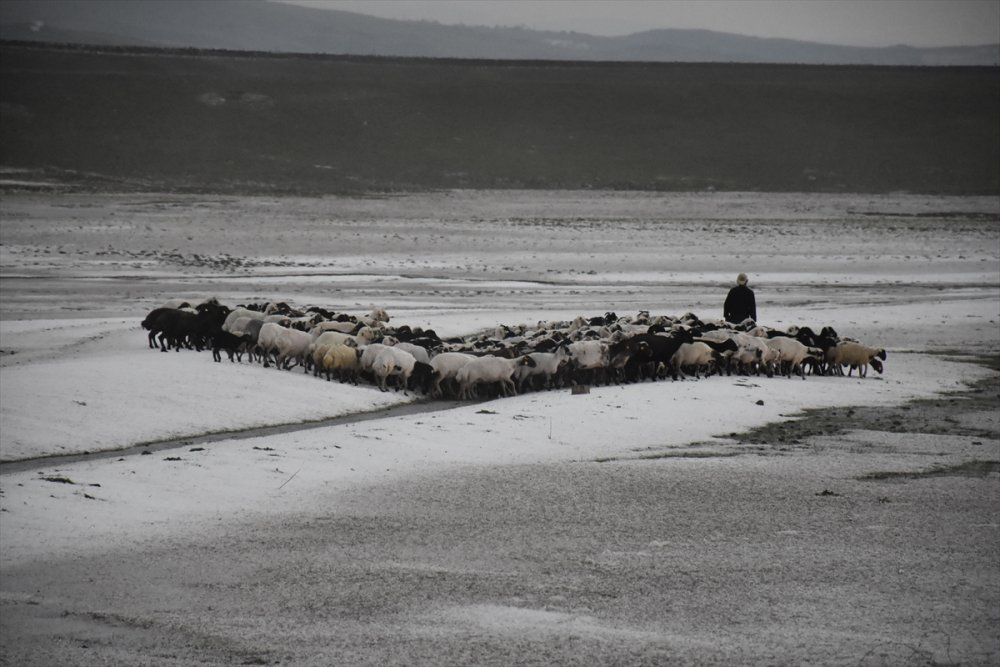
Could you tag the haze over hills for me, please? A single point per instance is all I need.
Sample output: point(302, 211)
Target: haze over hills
point(259, 25)
point(186, 120)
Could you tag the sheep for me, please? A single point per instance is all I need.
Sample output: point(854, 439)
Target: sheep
point(182, 328)
point(245, 326)
point(368, 355)
point(792, 353)
point(346, 327)
point(447, 365)
point(589, 358)
point(651, 351)
point(154, 322)
point(342, 360)
point(231, 343)
point(422, 377)
point(697, 354)
point(723, 352)
point(856, 355)
point(292, 344)
point(328, 338)
point(489, 369)
point(418, 352)
point(391, 361)
point(755, 354)
point(367, 335)
point(318, 353)
point(305, 322)
point(376, 319)
point(548, 366)
point(284, 344)
point(239, 312)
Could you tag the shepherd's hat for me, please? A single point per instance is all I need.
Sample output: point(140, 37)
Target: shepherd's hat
point(741, 279)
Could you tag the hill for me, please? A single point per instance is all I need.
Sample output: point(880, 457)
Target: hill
point(256, 25)
point(244, 122)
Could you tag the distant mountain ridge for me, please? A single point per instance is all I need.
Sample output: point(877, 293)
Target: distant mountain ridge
point(259, 25)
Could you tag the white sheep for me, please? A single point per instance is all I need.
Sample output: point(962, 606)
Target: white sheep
point(697, 355)
point(376, 319)
point(791, 354)
point(756, 353)
point(391, 361)
point(855, 355)
point(239, 326)
point(487, 370)
point(293, 345)
point(590, 356)
point(328, 338)
point(237, 313)
point(548, 366)
point(343, 327)
point(267, 340)
point(419, 353)
point(365, 336)
point(368, 354)
point(446, 366)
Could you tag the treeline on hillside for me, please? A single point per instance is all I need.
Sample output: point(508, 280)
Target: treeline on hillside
point(193, 120)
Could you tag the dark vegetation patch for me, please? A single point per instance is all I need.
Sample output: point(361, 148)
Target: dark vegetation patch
point(58, 480)
point(935, 415)
point(671, 454)
point(157, 120)
point(967, 469)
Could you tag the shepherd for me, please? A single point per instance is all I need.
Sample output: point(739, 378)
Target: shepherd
point(740, 302)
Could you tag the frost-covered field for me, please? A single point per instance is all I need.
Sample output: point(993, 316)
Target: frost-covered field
point(917, 275)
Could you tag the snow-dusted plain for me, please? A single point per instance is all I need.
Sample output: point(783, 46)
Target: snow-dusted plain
point(917, 275)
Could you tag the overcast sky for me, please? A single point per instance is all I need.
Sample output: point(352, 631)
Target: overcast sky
point(850, 22)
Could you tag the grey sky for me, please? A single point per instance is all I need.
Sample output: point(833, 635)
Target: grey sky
point(851, 22)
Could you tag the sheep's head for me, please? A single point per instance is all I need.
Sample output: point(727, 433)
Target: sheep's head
point(881, 355)
point(640, 349)
point(877, 365)
point(526, 360)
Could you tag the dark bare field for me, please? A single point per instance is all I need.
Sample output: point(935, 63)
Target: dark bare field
point(118, 119)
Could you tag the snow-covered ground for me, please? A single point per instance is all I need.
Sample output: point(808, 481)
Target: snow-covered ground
point(918, 276)
point(908, 273)
point(124, 393)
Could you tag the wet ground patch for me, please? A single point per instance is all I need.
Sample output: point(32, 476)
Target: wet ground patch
point(939, 415)
point(967, 469)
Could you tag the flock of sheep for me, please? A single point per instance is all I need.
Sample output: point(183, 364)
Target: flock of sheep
point(509, 360)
